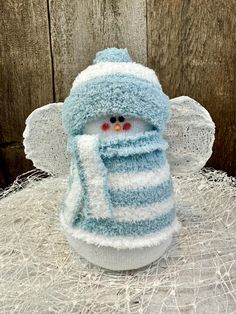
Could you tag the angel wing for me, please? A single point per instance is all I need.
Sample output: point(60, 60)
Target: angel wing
point(45, 141)
point(190, 133)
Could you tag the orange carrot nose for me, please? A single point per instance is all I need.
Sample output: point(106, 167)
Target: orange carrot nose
point(117, 127)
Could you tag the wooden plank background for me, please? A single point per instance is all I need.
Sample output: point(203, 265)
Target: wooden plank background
point(25, 77)
point(45, 43)
point(193, 50)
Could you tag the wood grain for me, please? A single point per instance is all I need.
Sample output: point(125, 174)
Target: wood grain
point(81, 28)
point(46, 43)
point(191, 45)
point(26, 77)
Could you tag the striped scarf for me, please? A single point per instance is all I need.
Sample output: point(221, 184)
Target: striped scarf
point(125, 188)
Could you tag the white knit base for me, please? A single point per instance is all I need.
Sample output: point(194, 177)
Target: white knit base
point(122, 259)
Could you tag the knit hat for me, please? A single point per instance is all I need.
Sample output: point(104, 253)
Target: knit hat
point(115, 85)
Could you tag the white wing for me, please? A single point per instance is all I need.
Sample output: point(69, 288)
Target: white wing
point(190, 134)
point(45, 141)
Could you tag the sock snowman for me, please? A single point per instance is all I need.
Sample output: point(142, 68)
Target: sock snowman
point(119, 210)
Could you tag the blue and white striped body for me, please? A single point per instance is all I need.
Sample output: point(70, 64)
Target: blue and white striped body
point(122, 192)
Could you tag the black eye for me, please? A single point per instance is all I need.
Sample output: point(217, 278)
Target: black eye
point(113, 119)
point(121, 119)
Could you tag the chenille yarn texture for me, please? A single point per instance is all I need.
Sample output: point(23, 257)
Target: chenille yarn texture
point(120, 191)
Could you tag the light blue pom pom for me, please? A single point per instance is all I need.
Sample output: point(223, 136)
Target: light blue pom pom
point(112, 55)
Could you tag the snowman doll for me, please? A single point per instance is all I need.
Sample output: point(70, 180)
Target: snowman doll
point(119, 211)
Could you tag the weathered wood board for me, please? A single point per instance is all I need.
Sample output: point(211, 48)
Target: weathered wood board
point(81, 28)
point(26, 77)
point(46, 43)
point(192, 47)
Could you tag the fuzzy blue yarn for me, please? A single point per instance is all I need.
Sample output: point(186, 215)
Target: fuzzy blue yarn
point(130, 198)
point(112, 94)
point(123, 94)
point(145, 143)
point(132, 162)
point(135, 163)
point(109, 227)
point(112, 55)
point(140, 197)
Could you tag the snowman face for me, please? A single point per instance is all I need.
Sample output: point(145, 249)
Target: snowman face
point(116, 126)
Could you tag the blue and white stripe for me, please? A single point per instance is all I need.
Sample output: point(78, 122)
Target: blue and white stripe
point(126, 193)
point(145, 195)
point(144, 212)
point(115, 204)
point(94, 177)
point(139, 179)
point(111, 227)
point(121, 242)
point(111, 68)
point(135, 163)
